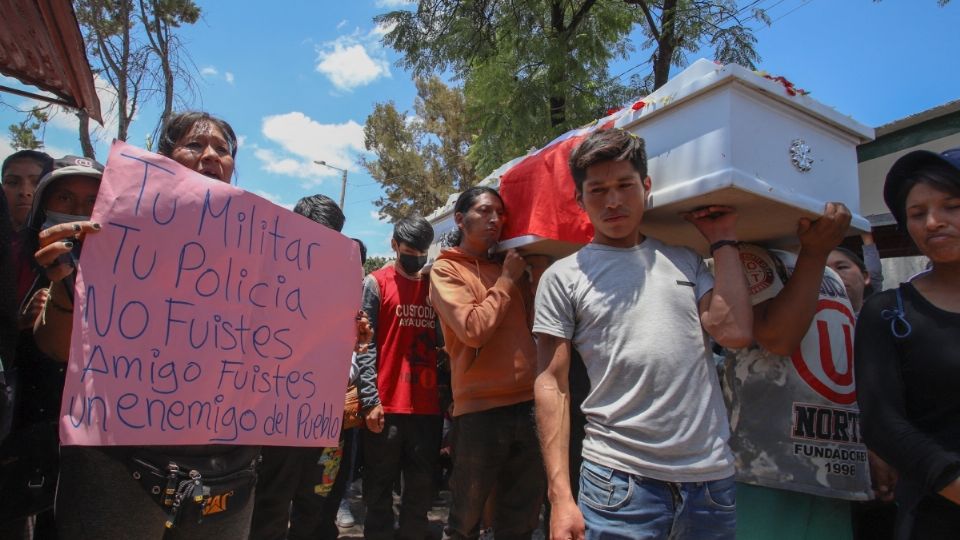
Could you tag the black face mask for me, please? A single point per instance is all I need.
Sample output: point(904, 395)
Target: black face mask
point(412, 264)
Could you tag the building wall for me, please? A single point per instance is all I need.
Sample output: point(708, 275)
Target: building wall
point(936, 130)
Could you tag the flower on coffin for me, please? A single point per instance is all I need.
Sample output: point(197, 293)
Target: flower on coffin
point(613, 110)
point(638, 105)
point(788, 86)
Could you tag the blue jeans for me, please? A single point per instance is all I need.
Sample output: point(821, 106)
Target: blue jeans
point(618, 505)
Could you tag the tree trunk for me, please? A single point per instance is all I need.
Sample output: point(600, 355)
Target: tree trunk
point(666, 44)
point(86, 145)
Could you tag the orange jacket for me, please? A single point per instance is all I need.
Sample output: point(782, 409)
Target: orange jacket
point(486, 324)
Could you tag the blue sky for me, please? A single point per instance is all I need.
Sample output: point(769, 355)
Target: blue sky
point(297, 79)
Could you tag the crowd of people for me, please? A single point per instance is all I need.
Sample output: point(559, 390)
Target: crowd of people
point(630, 390)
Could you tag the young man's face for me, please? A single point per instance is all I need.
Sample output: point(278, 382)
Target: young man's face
point(613, 197)
point(409, 258)
point(74, 195)
point(19, 182)
point(483, 222)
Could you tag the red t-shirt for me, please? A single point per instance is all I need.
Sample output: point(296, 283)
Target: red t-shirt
point(406, 345)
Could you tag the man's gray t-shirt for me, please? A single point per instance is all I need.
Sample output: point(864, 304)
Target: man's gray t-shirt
point(655, 408)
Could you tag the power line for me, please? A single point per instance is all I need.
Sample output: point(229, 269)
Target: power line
point(802, 4)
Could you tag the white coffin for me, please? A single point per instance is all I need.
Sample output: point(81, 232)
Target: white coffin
point(723, 135)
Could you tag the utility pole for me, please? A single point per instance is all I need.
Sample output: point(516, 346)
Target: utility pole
point(343, 186)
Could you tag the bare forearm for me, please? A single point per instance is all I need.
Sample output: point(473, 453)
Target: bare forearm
point(783, 320)
point(553, 428)
point(729, 316)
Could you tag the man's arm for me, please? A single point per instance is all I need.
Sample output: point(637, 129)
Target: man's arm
point(551, 394)
point(781, 322)
point(725, 312)
point(473, 320)
point(367, 361)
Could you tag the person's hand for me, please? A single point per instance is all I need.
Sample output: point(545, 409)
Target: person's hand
point(819, 237)
point(374, 419)
point(714, 222)
point(867, 238)
point(883, 476)
point(59, 240)
point(513, 266)
point(566, 522)
point(33, 308)
point(536, 266)
point(364, 332)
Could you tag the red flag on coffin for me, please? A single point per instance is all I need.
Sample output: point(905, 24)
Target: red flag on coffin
point(539, 193)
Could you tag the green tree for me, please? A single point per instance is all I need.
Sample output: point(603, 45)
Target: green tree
point(530, 68)
point(132, 46)
point(110, 30)
point(675, 28)
point(420, 159)
point(533, 69)
point(24, 134)
point(374, 263)
point(160, 19)
point(110, 26)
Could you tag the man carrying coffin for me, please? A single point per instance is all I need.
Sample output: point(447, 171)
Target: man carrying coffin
point(791, 396)
point(656, 460)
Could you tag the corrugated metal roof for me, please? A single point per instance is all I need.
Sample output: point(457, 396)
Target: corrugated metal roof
point(41, 45)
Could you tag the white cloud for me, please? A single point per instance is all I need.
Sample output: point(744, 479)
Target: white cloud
point(341, 24)
point(349, 65)
point(212, 71)
point(57, 151)
point(382, 29)
point(394, 3)
point(275, 199)
point(5, 148)
point(374, 214)
point(302, 140)
point(241, 140)
point(65, 119)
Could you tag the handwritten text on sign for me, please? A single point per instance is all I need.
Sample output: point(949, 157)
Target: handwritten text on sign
point(205, 314)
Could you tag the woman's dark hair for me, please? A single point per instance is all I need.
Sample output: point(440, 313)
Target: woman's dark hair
point(607, 145)
point(936, 175)
point(413, 231)
point(181, 123)
point(465, 202)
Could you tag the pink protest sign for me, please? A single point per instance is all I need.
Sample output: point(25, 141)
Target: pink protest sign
point(205, 314)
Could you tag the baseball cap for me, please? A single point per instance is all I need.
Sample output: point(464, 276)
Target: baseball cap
point(903, 173)
point(63, 167)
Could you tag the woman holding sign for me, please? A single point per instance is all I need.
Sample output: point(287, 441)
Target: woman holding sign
point(907, 365)
point(141, 492)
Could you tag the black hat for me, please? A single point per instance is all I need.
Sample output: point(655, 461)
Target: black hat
point(904, 171)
